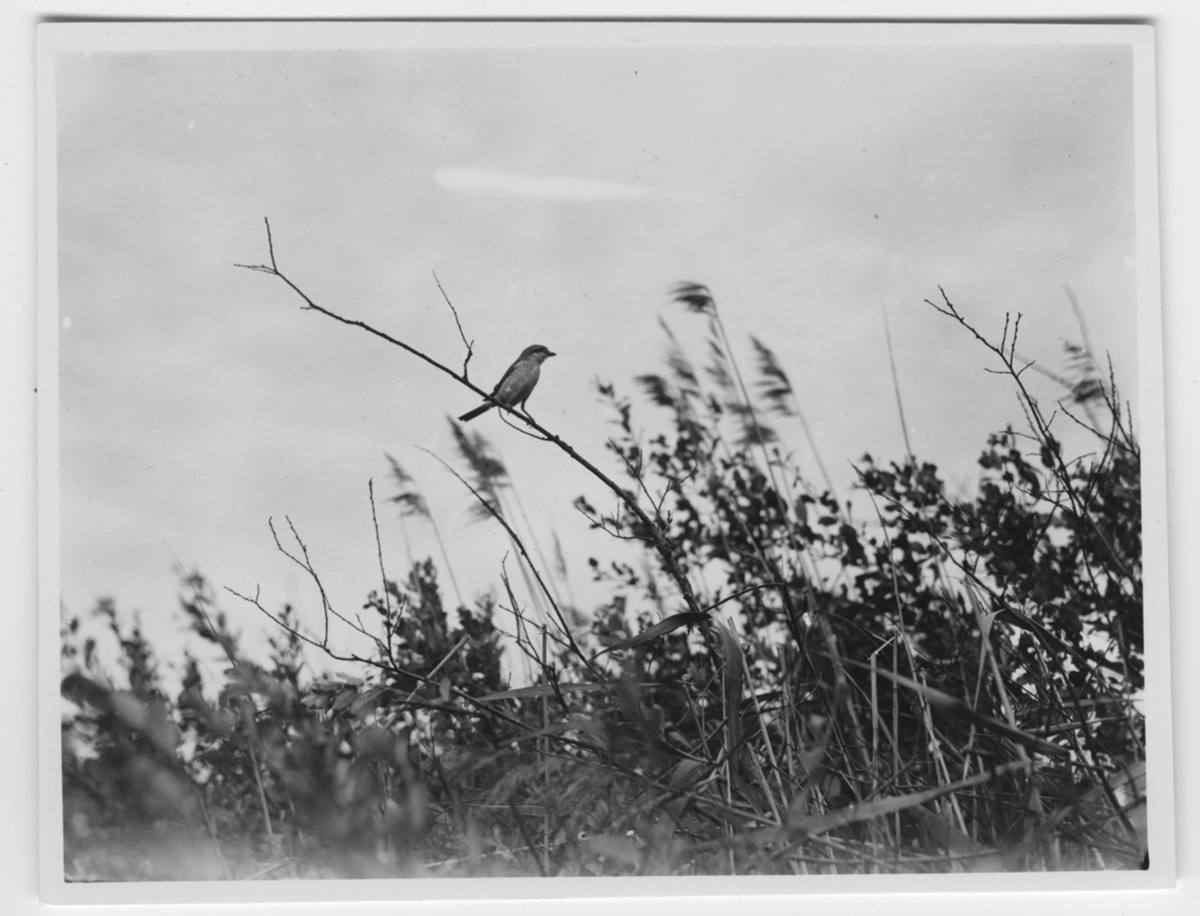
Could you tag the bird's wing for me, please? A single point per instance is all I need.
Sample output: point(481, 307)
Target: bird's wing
point(504, 378)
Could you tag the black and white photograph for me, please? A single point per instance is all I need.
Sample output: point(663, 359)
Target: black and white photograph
point(479, 453)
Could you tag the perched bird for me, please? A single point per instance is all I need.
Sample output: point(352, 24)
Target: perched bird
point(517, 384)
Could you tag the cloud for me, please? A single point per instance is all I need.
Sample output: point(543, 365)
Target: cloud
point(550, 187)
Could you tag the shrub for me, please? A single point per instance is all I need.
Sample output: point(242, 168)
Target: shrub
point(946, 683)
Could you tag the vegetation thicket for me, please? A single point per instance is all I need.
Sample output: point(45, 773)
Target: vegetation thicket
point(781, 681)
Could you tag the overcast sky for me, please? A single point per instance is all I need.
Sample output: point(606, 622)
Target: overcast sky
point(558, 193)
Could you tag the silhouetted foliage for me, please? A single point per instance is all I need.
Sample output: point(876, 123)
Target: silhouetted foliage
point(896, 679)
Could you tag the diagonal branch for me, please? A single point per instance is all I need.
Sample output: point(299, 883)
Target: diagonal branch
point(665, 550)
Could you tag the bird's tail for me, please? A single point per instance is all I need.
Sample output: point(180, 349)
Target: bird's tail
point(472, 414)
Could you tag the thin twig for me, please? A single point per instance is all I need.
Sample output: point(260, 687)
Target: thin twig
point(387, 602)
point(469, 344)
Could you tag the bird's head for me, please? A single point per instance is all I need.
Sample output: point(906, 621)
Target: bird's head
point(538, 352)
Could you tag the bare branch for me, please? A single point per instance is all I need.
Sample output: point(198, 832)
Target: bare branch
point(273, 269)
point(665, 550)
point(469, 344)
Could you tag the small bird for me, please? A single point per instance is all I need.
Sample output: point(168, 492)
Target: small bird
point(517, 384)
